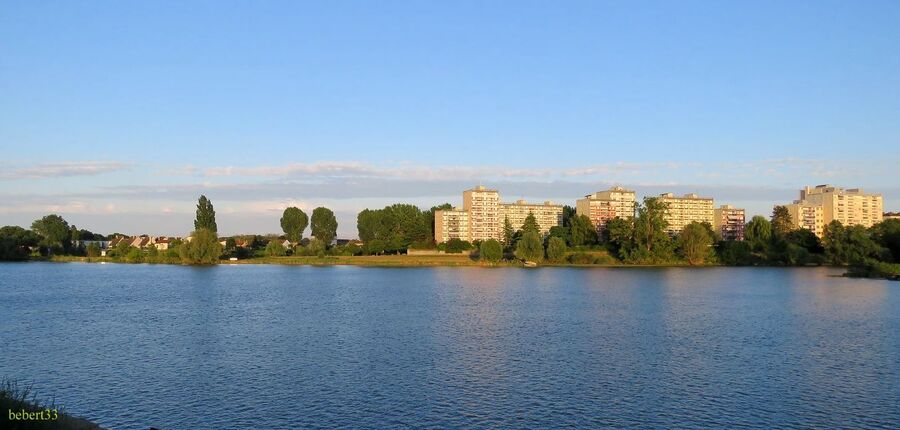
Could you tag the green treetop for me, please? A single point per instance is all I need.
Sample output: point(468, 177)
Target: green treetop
point(293, 222)
point(324, 225)
point(206, 216)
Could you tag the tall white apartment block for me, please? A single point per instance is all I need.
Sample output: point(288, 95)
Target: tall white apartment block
point(483, 206)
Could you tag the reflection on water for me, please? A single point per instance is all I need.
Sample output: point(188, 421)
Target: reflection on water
point(134, 346)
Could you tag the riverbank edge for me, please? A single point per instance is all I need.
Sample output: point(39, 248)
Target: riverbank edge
point(436, 261)
point(396, 261)
point(14, 399)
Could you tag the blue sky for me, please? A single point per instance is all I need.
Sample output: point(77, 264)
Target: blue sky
point(117, 115)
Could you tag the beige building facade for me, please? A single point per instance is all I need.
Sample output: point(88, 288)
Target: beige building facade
point(602, 206)
point(849, 206)
point(451, 224)
point(482, 216)
point(546, 214)
point(686, 209)
point(808, 216)
point(483, 206)
point(728, 221)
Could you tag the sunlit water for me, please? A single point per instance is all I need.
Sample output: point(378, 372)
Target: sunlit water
point(134, 346)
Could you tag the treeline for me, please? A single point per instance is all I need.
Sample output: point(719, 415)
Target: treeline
point(396, 228)
point(53, 236)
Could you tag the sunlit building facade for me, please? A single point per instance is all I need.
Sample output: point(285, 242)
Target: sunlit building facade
point(602, 206)
point(482, 216)
point(686, 209)
point(728, 221)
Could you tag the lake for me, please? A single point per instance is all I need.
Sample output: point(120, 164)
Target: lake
point(255, 346)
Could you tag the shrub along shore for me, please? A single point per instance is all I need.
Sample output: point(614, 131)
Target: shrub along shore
point(390, 235)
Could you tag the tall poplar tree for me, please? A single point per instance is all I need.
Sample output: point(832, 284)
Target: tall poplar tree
point(206, 216)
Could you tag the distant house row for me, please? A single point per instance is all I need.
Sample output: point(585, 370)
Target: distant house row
point(483, 216)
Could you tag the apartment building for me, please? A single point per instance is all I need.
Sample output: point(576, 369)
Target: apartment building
point(808, 216)
point(483, 206)
point(849, 206)
point(482, 216)
point(546, 214)
point(687, 209)
point(451, 224)
point(890, 215)
point(729, 222)
point(603, 206)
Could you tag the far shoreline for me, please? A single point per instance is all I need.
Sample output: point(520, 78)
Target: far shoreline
point(402, 260)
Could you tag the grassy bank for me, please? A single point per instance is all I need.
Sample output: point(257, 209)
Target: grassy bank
point(20, 409)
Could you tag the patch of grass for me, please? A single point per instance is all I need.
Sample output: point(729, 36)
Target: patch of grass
point(16, 399)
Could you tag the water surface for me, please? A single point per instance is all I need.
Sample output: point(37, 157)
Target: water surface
point(134, 346)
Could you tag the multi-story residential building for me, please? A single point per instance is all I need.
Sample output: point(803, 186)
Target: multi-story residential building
point(808, 216)
point(451, 224)
point(483, 206)
point(890, 215)
point(603, 206)
point(729, 222)
point(482, 216)
point(547, 214)
point(687, 209)
point(850, 206)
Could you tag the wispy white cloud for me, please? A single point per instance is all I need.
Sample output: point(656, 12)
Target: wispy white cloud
point(64, 169)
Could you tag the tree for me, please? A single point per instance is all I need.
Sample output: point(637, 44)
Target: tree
point(618, 235)
point(781, 222)
point(582, 231)
point(230, 245)
point(887, 235)
point(135, 255)
point(758, 233)
point(324, 225)
point(293, 222)
point(695, 243)
point(456, 246)
point(651, 243)
point(92, 250)
point(567, 214)
point(530, 224)
point(556, 249)
point(206, 216)
point(508, 233)
point(275, 249)
point(529, 247)
point(852, 245)
point(15, 242)
point(834, 241)
point(491, 251)
point(54, 230)
point(735, 252)
point(204, 248)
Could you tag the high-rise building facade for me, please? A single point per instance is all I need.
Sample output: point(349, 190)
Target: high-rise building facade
point(849, 206)
point(546, 214)
point(482, 216)
point(483, 206)
point(729, 222)
point(686, 209)
point(602, 206)
point(808, 216)
point(451, 224)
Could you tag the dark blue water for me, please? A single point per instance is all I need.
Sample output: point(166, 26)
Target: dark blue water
point(134, 346)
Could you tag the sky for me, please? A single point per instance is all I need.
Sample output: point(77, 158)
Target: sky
point(118, 115)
